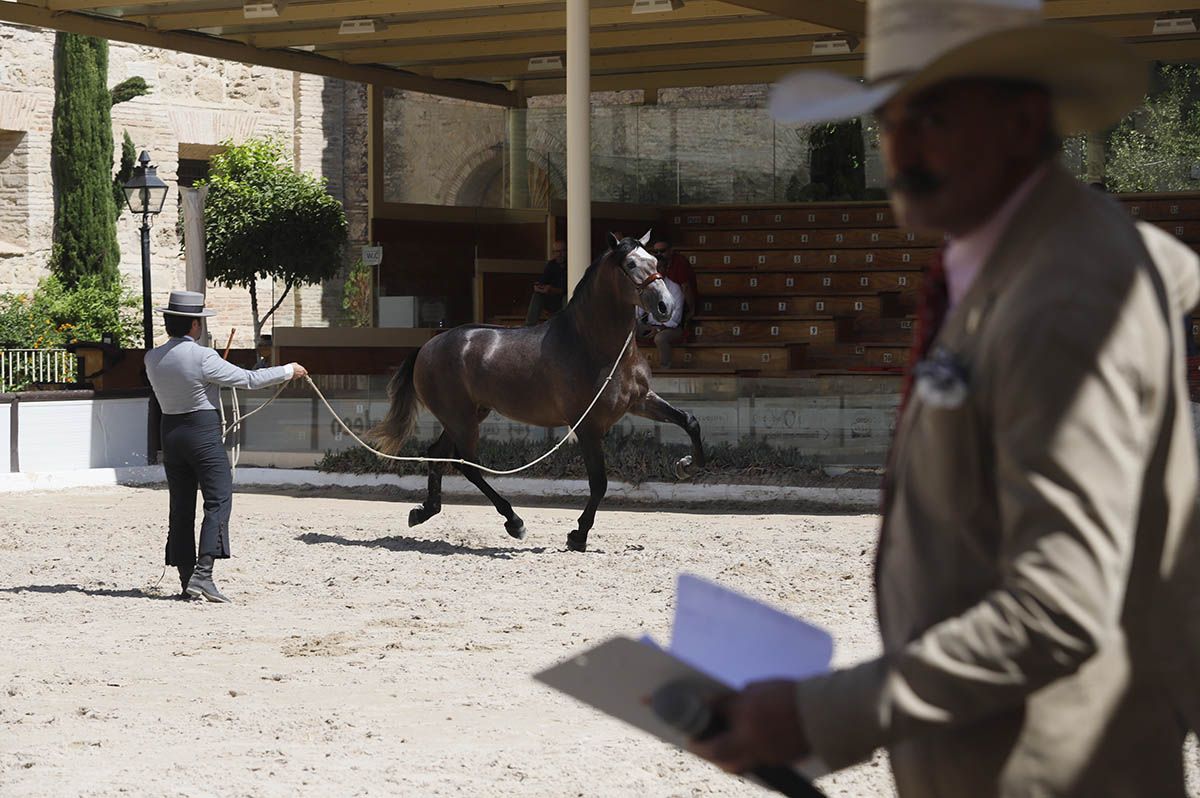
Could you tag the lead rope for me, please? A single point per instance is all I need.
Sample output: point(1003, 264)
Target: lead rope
point(452, 460)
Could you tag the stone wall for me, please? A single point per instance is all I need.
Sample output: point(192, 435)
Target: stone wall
point(692, 146)
point(14, 179)
point(196, 104)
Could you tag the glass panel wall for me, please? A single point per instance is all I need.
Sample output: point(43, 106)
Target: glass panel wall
point(451, 152)
point(724, 149)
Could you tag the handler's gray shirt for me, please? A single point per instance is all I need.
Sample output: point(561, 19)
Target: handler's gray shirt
point(187, 377)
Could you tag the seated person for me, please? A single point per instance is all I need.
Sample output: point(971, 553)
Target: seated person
point(548, 292)
point(676, 268)
point(667, 333)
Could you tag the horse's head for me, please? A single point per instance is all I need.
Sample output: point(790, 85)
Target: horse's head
point(640, 268)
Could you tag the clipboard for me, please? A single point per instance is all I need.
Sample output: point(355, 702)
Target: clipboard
point(617, 676)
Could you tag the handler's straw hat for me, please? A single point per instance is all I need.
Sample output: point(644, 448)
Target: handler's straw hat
point(914, 44)
point(186, 303)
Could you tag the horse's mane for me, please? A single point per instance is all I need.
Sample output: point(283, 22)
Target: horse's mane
point(587, 283)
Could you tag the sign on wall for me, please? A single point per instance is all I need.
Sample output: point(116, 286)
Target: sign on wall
point(372, 256)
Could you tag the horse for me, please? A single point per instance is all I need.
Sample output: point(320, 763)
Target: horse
point(543, 376)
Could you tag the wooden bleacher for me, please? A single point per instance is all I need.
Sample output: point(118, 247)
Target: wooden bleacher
point(835, 285)
point(821, 288)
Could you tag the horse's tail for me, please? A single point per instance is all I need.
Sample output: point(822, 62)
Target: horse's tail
point(391, 433)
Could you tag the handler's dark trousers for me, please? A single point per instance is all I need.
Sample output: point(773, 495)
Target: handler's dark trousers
point(194, 457)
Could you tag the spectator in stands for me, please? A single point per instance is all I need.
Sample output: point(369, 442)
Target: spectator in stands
point(548, 292)
point(665, 334)
point(675, 267)
point(1038, 567)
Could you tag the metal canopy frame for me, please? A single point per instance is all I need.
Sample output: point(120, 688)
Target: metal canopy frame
point(480, 49)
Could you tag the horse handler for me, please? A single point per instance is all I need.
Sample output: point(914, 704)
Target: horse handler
point(186, 378)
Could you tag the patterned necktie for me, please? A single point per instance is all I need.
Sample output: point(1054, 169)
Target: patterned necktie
point(931, 312)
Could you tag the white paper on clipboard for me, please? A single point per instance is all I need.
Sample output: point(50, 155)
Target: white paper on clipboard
point(738, 640)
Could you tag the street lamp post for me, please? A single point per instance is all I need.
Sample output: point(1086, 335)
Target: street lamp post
point(145, 194)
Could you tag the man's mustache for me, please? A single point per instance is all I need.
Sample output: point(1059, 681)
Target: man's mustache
point(915, 182)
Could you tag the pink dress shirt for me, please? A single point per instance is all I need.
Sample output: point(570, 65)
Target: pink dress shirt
point(964, 256)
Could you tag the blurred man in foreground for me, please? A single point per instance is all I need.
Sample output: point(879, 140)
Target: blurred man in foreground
point(1038, 572)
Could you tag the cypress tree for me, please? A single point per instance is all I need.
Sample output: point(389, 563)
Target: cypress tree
point(81, 161)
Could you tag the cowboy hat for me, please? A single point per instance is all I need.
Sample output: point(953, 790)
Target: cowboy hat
point(915, 44)
point(186, 303)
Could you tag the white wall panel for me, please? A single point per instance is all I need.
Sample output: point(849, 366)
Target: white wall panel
point(86, 433)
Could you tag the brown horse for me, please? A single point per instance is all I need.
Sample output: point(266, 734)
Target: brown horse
point(544, 376)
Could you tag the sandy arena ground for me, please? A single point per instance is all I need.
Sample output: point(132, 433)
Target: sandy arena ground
point(364, 658)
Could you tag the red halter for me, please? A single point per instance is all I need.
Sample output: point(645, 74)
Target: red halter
point(642, 285)
point(653, 276)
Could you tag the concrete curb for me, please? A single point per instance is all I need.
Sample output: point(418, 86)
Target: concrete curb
point(646, 493)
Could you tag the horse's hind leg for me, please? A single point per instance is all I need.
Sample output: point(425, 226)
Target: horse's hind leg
point(593, 459)
point(468, 449)
point(442, 447)
point(654, 407)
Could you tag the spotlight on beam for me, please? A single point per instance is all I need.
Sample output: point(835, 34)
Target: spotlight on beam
point(656, 6)
point(834, 45)
point(545, 63)
point(1167, 26)
point(357, 27)
point(260, 10)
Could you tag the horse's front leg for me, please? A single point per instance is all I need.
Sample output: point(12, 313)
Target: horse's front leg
point(655, 408)
point(593, 459)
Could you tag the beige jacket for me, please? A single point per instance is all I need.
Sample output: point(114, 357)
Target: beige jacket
point(1038, 583)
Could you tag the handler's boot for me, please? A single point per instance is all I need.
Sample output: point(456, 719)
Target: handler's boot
point(201, 584)
point(185, 576)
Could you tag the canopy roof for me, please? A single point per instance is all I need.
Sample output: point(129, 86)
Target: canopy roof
point(481, 49)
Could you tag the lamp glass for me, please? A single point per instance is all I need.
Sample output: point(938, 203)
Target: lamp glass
point(144, 192)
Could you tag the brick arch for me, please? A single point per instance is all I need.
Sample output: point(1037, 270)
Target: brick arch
point(474, 187)
point(541, 143)
point(546, 178)
point(467, 171)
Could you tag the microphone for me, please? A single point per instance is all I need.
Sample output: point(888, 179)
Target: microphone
point(682, 706)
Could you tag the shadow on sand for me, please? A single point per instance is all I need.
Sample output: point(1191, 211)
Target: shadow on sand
point(137, 593)
point(405, 543)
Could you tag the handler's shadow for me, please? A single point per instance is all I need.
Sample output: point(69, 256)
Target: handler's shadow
point(102, 592)
point(421, 546)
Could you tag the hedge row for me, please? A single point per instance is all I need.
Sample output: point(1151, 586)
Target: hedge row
point(634, 458)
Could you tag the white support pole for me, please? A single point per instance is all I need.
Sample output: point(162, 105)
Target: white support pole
point(579, 141)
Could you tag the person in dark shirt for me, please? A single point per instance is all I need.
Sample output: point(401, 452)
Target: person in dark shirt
point(548, 292)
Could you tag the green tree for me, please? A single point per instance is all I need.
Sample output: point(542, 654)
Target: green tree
point(81, 158)
point(54, 316)
point(263, 220)
point(1157, 147)
point(836, 164)
point(128, 159)
point(128, 90)
point(123, 92)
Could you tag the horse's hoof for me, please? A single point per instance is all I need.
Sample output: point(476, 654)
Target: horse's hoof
point(683, 467)
point(576, 541)
point(417, 516)
point(515, 528)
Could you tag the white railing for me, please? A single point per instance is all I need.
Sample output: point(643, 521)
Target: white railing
point(20, 368)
